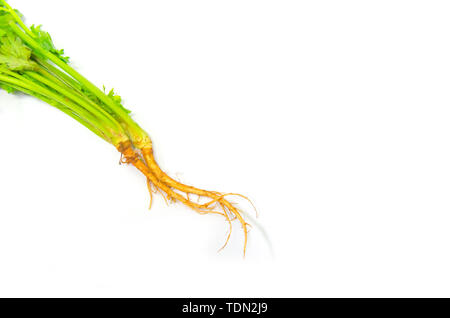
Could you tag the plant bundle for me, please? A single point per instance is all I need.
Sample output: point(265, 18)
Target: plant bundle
point(30, 64)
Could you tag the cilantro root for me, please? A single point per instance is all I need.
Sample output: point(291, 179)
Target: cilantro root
point(30, 64)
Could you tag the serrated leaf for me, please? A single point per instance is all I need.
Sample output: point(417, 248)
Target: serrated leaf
point(16, 64)
point(116, 98)
point(14, 54)
point(46, 42)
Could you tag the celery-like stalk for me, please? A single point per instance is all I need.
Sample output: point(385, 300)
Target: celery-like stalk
point(30, 64)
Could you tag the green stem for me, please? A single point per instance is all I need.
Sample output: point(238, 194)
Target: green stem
point(91, 107)
point(63, 80)
point(57, 80)
point(20, 81)
point(62, 108)
point(69, 81)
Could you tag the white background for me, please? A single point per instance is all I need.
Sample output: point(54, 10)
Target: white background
point(333, 116)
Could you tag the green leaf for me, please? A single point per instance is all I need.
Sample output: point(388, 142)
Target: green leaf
point(46, 42)
point(19, 14)
point(118, 100)
point(13, 45)
point(16, 64)
point(14, 54)
point(5, 19)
